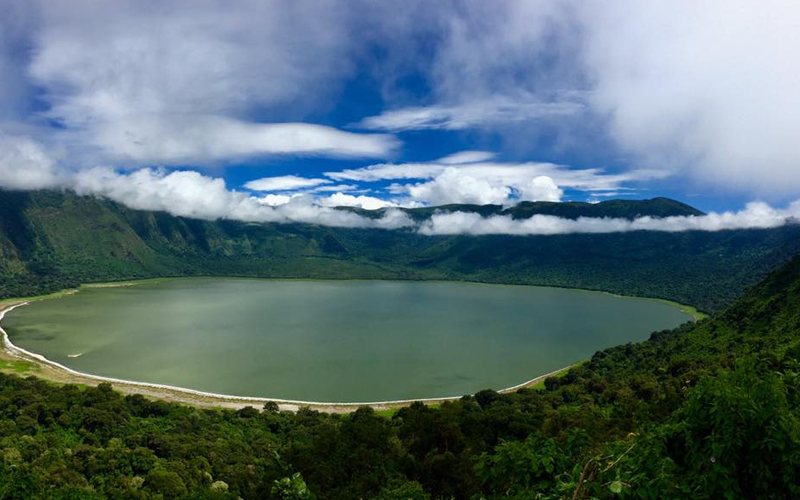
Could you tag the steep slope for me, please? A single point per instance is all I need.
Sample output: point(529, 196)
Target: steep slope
point(51, 240)
point(708, 410)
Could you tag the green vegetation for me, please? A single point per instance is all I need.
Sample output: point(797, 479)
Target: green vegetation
point(539, 386)
point(688, 310)
point(17, 366)
point(708, 410)
point(50, 241)
point(55, 295)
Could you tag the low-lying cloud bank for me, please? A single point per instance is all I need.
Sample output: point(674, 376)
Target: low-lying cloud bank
point(189, 193)
point(756, 215)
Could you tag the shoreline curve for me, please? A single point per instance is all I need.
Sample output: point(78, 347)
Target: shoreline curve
point(24, 354)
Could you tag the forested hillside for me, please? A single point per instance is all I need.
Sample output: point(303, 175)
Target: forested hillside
point(51, 240)
point(618, 209)
point(709, 410)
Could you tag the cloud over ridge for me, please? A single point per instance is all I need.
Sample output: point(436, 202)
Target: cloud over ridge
point(140, 100)
point(188, 193)
point(755, 215)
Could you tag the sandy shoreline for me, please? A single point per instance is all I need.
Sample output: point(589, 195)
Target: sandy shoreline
point(56, 372)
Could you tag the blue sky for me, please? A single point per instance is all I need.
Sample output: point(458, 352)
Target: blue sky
point(372, 104)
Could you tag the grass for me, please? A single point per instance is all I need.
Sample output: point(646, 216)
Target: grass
point(17, 366)
point(70, 291)
point(55, 295)
point(114, 284)
point(689, 310)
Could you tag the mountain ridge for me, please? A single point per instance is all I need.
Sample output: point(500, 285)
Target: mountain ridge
point(51, 240)
point(617, 209)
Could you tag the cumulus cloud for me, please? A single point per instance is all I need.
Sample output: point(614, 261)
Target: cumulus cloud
point(474, 177)
point(708, 91)
point(541, 188)
point(184, 81)
point(755, 216)
point(507, 173)
point(191, 194)
point(24, 164)
point(455, 186)
point(274, 200)
point(183, 193)
point(284, 183)
point(361, 201)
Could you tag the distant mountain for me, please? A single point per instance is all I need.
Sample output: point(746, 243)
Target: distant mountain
point(618, 209)
point(51, 240)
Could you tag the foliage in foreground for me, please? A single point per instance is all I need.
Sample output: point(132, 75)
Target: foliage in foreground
point(708, 410)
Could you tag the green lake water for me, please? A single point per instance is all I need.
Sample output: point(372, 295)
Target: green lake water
point(335, 341)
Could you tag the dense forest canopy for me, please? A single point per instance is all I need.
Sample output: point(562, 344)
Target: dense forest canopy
point(708, 410)
point(703, 411)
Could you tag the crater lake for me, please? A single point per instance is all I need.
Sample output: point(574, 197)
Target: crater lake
point(330, 341)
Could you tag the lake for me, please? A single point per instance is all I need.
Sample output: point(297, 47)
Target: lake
point(332, 341)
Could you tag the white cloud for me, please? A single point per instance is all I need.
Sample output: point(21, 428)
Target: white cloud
point(284, 183)
point(456, 185)
point(24, 164)
point(273, 200)
point(191, 194)
point(336, 188)
point(470, 178)
point(184, 57)
point(306, 209)
point(453, 185)
point(541, 188)
point(185, 82)
point(347, 200)
point(201, 139)
point(481, 112)
point(709, 87)
point(385, 171)
point(463, 157)
point(504, 173)
point(755, 215)
point(708, 91)
point(184, 193)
